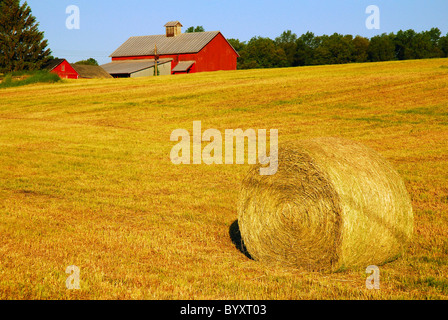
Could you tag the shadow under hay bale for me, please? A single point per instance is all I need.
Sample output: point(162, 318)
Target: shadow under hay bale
point(235, 236)
point(333, 204)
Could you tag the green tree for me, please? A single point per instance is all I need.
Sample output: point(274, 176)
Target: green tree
point(381, 48)
point(404, 47)
point(193, 29)
point(412, 45)
point(287, 41)
point(237, 44)
point(443, 45)
point(422, 46)
point(22, 45)
point(89, 62)
point(334, 49)
point(360, 49)
point(262, 53)
point(433, 37)
point(239, 47)
point(305, 46)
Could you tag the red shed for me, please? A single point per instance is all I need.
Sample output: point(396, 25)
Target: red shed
point(191, 52)
point(62, 68)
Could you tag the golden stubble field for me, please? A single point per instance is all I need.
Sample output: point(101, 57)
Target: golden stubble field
point(86, 180)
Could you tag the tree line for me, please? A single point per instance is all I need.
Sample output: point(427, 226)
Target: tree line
point(290, 50)
point(23, 47)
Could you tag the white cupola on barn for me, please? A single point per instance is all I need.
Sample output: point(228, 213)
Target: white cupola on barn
point(173, 28)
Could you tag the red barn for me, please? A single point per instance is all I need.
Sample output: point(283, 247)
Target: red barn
point(62, 68)
point(190, 52)
point(66, 70)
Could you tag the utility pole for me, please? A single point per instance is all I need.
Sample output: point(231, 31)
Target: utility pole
point(156, 59)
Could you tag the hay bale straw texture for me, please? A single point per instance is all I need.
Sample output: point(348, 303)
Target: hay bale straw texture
point(332, 204)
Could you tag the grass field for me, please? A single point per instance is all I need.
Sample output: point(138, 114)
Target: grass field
point(86, 180)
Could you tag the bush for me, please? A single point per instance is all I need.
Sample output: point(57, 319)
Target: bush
point(41, 76)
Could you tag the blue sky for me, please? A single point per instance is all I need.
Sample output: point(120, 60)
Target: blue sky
point(105, 25)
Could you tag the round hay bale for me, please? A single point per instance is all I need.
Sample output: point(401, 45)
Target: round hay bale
point(332, 204)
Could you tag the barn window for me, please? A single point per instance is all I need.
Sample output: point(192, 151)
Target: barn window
point(170, 31)
point(63, 68)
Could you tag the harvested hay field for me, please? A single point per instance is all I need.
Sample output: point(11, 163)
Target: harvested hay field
point(333, 204)
point(86, 180)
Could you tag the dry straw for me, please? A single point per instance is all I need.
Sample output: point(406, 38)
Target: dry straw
point(332, 204)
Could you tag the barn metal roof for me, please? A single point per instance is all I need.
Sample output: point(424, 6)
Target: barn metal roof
point(90, 72)
point(131, 66)
point(183, 66)
point(183, 43)
point(50, 65)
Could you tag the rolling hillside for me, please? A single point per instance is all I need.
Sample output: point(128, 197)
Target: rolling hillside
point(86, 179)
